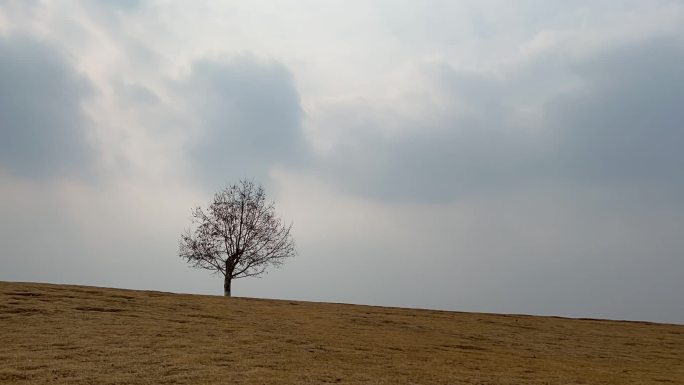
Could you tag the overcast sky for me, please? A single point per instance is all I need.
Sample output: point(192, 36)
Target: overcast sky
point(509, 157)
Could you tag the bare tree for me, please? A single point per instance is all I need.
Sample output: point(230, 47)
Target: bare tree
point(239, 235)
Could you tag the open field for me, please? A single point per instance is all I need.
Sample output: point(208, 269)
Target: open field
point(54, 334)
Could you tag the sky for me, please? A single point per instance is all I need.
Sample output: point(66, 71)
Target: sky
point(484, 156)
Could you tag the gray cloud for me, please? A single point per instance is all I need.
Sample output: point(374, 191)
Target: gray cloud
point(625, 121)
point(41, 122)
point(619, 123)
point(469, 148)
point(247, 118)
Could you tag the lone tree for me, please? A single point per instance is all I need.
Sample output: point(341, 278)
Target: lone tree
point(239, 235)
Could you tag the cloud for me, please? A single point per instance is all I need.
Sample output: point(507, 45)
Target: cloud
point(462, 140)
point(245, 117)
point(42, 125)
point(623, 123)
point(609, 117)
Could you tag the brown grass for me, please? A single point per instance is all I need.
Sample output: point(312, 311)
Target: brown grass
point(53, 334)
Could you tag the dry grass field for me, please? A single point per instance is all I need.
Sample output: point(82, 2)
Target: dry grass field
point(54, 334)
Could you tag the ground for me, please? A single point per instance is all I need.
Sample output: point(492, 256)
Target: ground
point(54, 334)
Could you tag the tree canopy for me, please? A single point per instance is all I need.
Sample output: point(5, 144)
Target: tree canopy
point(239, 235)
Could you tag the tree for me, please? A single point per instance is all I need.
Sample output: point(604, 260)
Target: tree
point(239, 235)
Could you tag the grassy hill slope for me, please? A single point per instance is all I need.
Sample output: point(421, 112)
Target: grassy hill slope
point(87, 335)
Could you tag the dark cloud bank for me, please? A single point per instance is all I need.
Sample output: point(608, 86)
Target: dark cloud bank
point(43, 128)
point(247, 118)
point(620, 126)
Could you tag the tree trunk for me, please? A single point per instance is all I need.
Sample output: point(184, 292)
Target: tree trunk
point(226, 286)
